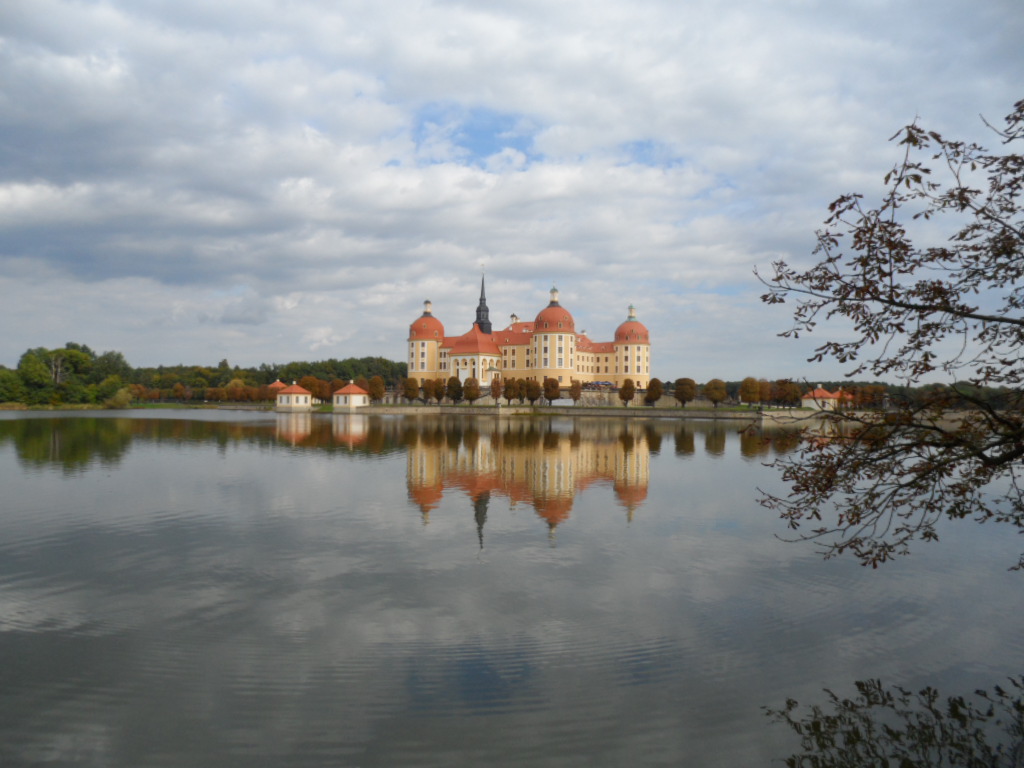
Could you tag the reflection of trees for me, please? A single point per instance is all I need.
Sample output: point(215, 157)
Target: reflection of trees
point(684, 441)
point(890, 726)
point(714, 440)
point(754, 444)
point(70, 444)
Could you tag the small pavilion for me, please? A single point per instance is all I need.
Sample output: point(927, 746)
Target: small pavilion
point(293, 399)
point(350, 397)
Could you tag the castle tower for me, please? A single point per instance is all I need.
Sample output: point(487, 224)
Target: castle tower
point(483, 319)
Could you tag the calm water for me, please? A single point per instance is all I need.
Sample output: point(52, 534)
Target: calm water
point(230, 589)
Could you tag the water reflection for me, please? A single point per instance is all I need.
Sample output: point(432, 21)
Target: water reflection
point(890, 725)
point(542, 464)
point(264, 589)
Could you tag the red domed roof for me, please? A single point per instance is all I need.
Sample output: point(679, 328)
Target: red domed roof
point(632, 331)
point(426, 326)
point(554, 317)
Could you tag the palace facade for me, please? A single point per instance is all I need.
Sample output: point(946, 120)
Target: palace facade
point(547, 347)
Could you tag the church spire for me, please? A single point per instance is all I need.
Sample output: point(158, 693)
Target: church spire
point(482, 313)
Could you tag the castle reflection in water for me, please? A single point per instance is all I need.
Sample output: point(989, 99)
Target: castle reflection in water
point(541, 462)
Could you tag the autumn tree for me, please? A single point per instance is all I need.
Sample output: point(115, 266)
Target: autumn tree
point(428, 390)
point(496, 385)
point(440, 390)
point(377, 389)
point(786, 392)
point(411, 389)
point(655, 390)
point(685, 391)
point(947, 301)
point(552, 390)
point(715, 391)
point(750, 391)
point(765, 393)
point(510, 388)
point(471, 390)
point(532, 390)
point(453, 389)
point(627, 392)
point(575, 391)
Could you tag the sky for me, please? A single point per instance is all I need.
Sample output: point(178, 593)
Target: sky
point(263, 181)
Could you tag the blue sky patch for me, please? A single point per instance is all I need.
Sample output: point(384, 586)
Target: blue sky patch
point(480, 132)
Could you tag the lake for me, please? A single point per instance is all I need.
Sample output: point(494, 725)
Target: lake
point(214, 588)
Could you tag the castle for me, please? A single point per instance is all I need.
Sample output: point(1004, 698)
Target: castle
point(548, 347)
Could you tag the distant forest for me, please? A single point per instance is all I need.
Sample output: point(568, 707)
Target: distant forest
point(75, 374)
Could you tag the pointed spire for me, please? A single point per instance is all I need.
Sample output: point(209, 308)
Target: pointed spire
point(482, 313)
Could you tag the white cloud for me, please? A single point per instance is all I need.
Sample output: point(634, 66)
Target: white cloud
point(289, 184)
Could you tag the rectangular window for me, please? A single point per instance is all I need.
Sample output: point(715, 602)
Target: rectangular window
point(545, 350)
point(559, 338)
point(560, 363)
point(545, 362)
point(559, 381)
point(560, 350)
point(627, 367)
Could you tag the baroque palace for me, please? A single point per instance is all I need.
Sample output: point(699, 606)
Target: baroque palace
point(548, 347)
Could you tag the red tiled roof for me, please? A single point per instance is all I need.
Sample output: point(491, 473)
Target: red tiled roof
point(351, 389)
point(294, 389)
point(553, 314)
point(475, 342)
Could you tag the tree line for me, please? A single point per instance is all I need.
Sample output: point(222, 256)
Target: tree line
point(75, 374)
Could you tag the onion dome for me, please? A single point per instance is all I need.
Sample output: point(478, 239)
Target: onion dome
point(554, 317)
point(426, 326)
point(632, 331)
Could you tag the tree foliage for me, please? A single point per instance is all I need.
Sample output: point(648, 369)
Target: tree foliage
point(947, 302)
point(575, 391)
point(552, 390)
point(496, 386)
point(889, 725)
point(685, 390)
point(453, 389)
point(715, 391)
point(655, 389)
point(471, 390)
point(411, 389)
point(377, 388)
point(627, 392)
point(750, 390)
point(532, 390)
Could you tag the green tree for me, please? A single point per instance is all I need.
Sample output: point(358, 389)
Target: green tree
point(453, 389)
point(440, 389)
point(627, 392)
point(655, 390)
point(750, 391)
point(685, 391)
point(947, 301)
point(715, 391)
point(471, 390)
point(12, 390)
point(552, 390)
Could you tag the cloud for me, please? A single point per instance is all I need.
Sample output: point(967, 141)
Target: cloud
point(234, 156)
